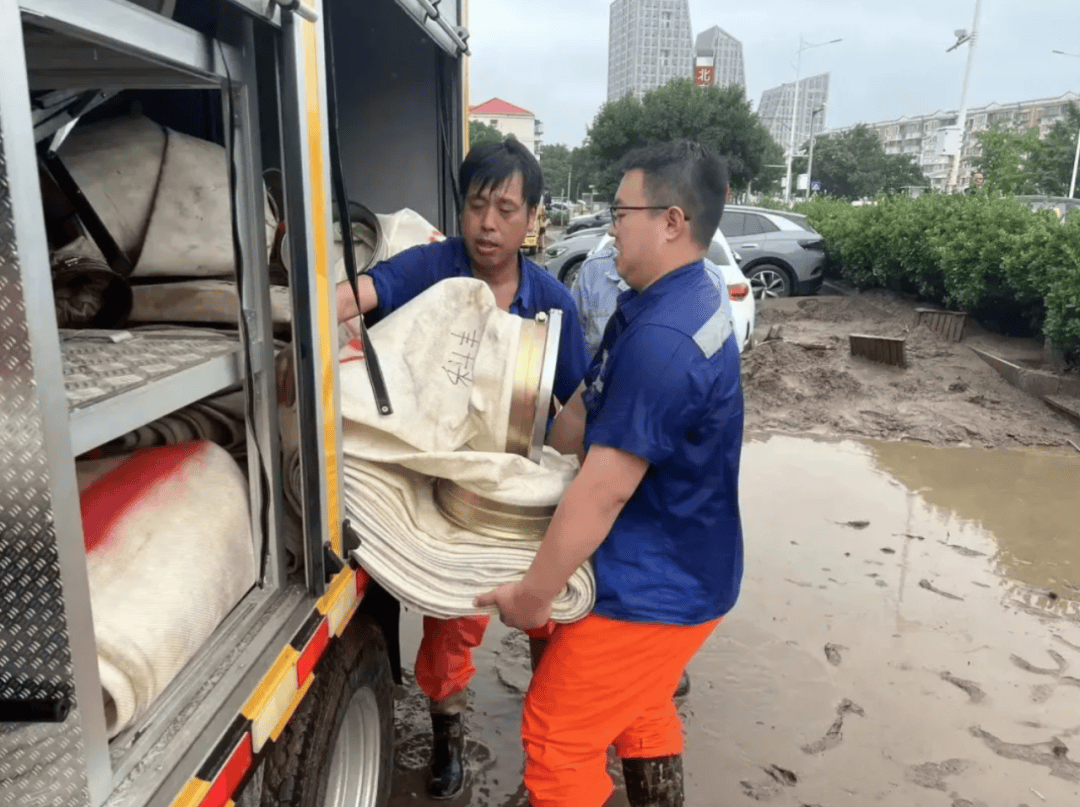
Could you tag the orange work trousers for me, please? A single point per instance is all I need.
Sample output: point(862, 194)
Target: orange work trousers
point(444, 664)
point(602, 682)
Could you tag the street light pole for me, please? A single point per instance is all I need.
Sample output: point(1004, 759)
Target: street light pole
point(1076, 157)
point(961, 118)
point(810, 159)
point(795, 108)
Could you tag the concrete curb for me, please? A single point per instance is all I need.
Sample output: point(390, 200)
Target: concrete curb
point(1060, 394)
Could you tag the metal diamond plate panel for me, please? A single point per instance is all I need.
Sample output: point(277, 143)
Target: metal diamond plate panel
point(41, 764)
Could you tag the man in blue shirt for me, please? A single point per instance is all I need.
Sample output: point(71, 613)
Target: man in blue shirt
point(502, 184)
point(596, 291)
point(658, 422)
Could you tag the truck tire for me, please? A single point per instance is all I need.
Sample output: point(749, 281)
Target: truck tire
point(337, 751)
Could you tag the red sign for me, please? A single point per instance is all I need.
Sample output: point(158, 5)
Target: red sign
point(703, 76)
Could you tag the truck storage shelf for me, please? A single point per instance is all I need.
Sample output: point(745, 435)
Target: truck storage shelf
point(115, 44)
point(117, 381)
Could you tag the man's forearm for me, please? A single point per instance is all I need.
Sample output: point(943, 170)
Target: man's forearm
point(346, 302)
point(568, 430)
point(583, 519)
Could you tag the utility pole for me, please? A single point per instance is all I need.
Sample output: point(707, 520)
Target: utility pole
point(1076, 157)
point(961, 118)
point(791, 134)
point(810, 159)
point(803, 45)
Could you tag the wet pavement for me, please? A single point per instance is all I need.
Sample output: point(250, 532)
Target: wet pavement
point(908, 634)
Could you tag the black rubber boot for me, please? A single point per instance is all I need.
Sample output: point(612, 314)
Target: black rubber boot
point(654, 782)
point(446, 773)
point(683, 689)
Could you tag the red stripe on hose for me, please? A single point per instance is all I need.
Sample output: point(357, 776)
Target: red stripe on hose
point(111, 497)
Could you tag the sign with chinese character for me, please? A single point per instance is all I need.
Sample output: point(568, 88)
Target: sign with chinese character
point(703, 75)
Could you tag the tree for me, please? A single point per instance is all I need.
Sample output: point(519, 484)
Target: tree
point(717, 117)
point(583, 172)
point(555, 163)
point(854, 165)
point(480, 132)
point(1004, 160)
point(1051, 161)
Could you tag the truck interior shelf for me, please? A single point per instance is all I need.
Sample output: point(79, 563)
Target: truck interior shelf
point(113, 44)
point(117, 381)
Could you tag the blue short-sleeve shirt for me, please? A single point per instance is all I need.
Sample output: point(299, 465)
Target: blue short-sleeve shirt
point(665, 386)
point(407, 274)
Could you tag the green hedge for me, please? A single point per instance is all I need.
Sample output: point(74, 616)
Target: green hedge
point(1010, 266)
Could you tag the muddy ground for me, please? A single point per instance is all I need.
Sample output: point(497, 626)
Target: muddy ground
point(908, 635)
point(947, 395)
point(908, 632)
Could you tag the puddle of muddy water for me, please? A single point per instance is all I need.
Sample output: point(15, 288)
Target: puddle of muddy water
point(896, 641)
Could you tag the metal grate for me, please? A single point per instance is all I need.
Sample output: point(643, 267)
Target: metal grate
point(101, 366)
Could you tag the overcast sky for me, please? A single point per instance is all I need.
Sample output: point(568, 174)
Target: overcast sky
point(550, 56)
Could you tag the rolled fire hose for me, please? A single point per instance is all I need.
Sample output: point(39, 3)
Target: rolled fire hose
point(442, 494)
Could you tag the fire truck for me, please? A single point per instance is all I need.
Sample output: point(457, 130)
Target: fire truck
point(290, 699)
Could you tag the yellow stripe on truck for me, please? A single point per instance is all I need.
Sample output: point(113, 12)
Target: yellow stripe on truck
point(192, 794)
point(326, 355)
point(272, 698)
point(340, 601)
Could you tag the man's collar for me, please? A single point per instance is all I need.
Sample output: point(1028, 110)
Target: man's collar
point(610, 272)
point(464, 266)
point(632, 302)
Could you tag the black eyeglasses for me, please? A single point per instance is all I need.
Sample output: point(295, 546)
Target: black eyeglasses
point(614, 210)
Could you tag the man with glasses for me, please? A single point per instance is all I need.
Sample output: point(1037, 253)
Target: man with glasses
point(658, 423)
point(502, 184)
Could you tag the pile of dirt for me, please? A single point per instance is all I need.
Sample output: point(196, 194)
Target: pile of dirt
point(808, 381)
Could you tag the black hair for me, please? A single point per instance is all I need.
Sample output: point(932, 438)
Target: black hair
point(489, 165)
point(687, 175)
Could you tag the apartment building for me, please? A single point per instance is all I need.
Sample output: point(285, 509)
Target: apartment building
point(924, 137)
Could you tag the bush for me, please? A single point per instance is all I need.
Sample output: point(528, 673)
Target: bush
point(1012, 267)
point(558, 218)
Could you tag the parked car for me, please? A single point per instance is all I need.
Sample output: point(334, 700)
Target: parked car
point(564, 257)
point(599, 219)
point(743, 306)
point(781, 253)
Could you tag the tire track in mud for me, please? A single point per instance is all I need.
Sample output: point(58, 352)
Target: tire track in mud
point(1053, 754)
point(973, 690)
point(931, 587)
point(932, 775)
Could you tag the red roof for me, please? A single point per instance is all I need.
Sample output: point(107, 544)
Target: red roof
point(497, 106)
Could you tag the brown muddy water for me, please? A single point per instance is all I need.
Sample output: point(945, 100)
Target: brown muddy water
point(908, 634)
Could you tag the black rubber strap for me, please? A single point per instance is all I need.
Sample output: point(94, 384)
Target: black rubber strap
point(341, 202)
point(114, 256)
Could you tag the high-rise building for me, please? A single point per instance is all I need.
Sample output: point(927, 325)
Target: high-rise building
point(718, 59)
point(649, 44)
point(776, 105)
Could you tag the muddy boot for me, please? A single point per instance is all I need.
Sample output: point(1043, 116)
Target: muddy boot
point(446, 772)
point(654, 782)
point(683, 689)
point(536, 651)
